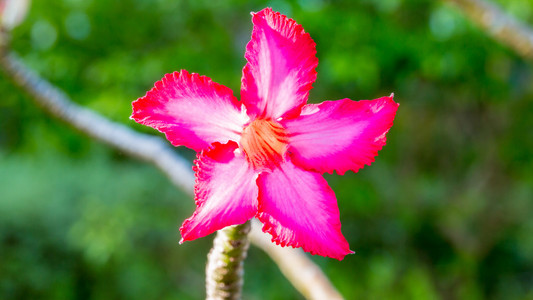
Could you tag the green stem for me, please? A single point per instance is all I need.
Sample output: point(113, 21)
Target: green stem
point(224, 271)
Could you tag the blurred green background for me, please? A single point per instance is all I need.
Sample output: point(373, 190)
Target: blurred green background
point(445, 212)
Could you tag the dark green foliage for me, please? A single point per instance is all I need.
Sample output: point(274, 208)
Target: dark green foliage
point(445, 212)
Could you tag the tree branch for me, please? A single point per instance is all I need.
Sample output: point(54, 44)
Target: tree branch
point(296, 266)
point(501, 26)
point(142, 146)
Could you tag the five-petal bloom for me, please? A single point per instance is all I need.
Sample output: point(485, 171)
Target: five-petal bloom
point(263, 157)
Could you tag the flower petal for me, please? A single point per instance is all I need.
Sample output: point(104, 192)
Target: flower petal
point(191, 110)
point(280, 69)
point(226, 191)
point(340, 135)
point(299, 209)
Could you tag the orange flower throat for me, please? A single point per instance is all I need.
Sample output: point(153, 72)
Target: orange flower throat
point(264, 142)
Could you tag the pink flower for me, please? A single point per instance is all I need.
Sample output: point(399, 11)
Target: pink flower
point(263, 157)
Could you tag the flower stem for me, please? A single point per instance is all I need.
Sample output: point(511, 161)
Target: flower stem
point(224, 271)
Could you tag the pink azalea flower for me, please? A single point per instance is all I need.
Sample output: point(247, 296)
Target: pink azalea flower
point(263, 156)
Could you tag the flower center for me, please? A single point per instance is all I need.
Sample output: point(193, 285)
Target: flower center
point(264, 142)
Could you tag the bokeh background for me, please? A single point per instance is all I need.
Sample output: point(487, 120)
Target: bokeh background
point(445, 212)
